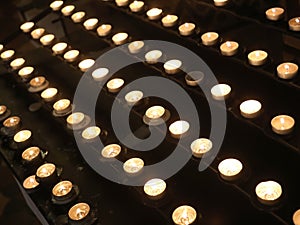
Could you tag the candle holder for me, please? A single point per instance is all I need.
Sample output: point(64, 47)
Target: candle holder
point(46, 175)
point(38, 84)
point(156, 115)
point(194, 78)
point(179, 129)
point(4, 113)
point(62, 108)
point(77, 121)
point(30, 184)
point(23, 139)
point(64, 192)
point(11, 125)
point(32, 157)
point(81, 214)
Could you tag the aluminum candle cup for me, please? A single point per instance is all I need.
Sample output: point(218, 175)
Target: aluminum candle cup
point(59, 48)
point(78, 16)
point(210, 38)
point(220, 91)
point(90, 133)
point(71, 56)
point(79, 213)
point(154, 13)
point(46, 174)
point(250, 108)
point(135, 47)
point(136, 6)
point(32, 155)
point(220, 2)
point(283, 124)
point(38, 84)
point(111, 151)
point(179, 128)
point(7, 55)
point(153, 56)
point(229, 48)
point(194, 78)
point(230, 169)
point(287, 70)
point(187, 29)
point(47, 39)
point(67, 10)
point(64, 192)
point(120, 38)
point(90, 24)
point(155, 188)
point(17, 63)
point(257, 58)
point(184, 215)
point(133, 166)
point(85, 64)
point(49, 94)
point(294, 24)
point(275, 13)
point(26, 72)
point(134, 97)
point(27, 26)
point(172, 66)
point(56, 5)
point(23, 139)
point(268, 192)
point(115, 85)
point(30, 183)
point(62, 107)
point(169, 20)
point(201, 146)
point(37, 33)
point(104, 30)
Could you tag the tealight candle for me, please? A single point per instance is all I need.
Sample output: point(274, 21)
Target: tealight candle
point(25, 72)
point(155, 187)
point(3, 110)
point(179, 128)
point(250, 108)
point(136, 6)
point(194, 78)
point(220, 2)
point(287, 70)
point(120, 38)
point(133, 97)
point(220, 91)
point(27, 26)
point(154, 13)
point(45, 170)
point(155, 112)
point(275, 13)
point(153, 56)
point(296, 217)
point(30, 182)
point(22, 136)
point(47, 39)
point(111, 151)
point(230, 169)
point(85, 64)
point(37, 81)
point(135, 47)
point(201, 146)
point(56, 5)
point(169, 20)
point(62, 189)
point(78, 16)
point(49, 94)
point(184, 215)
point(59, 48)
point(31, 154)
point(114, 85)
point(282, 124)
point(67, 10)
point(294, 24)
point(104, 30)
point(62, 106)
point(172, 66)
point(257, 57)
point(133, 165)
point(71, 56)
point(268, 192)
point(17, 63)
point(121, 2)
point(91, 132)
point(187, 29)
point(12, 122)
point(90, 24)
point(75, 118)
point(37, 33)
point(100, 73)
point(209, 38)
point(7, 55)
point(229, 48)
point(1, 47)
point(79, 211)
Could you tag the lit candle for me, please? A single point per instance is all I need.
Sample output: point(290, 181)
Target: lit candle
point(12, 122)
point(27, 26)
point(71, 56)
point(30, 182)
point(22, 136)
point(257, 57)
point(296, 217)
point(187, 29)
point(59, 48)
point(104, 30)
point(194, 78)
point(179, 128)
point(201, 146)
point(135, 47)
point(172, 66)
point(62, 189)
point(67, 10)
point(56, 5)
point(136, 6)
point(85, 64)
point(121, 2)
point(155, 187)
point(133, 97)
point(274, 13)
point(75, 118)
point(210, 38)
point(133, 165)
point(220, 91)
point(120, 38)
point(7, 55)
point(3, 110)
point(90, 24)
point(91, 132)
point(111, 151)
point(229, 48)
point(1, 47)
point(282, 124)
point(47, 39)
point(184, 215)
point(17, 63)
point(62, 106)
point(100, 73)
point(79, 211)
point(268, 192)
point(154, 13)
point(78, 16)
point(49, 94)
point(153, 56)
point(155, 112)
point(37, 81)
point(31, 154)
point(250, 108)
point(37, 33)
point(169, 20)
point(294, 24)
point(220, 2)
point(287, 70)
point(230, 169)
point(114, 85)
point(45, 170)
point(25, 72)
